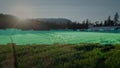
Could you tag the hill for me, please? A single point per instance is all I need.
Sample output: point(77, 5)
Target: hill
point(10, 21)
point(54, 20)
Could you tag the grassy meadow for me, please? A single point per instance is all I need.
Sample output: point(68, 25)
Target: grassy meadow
point(62, 56)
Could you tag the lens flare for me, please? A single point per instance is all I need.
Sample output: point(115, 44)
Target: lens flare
point(22, 11)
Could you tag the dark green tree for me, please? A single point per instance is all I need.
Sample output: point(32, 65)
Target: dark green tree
point(116, 19)
point(109, 21)
point(101, 23)
point(87, 23)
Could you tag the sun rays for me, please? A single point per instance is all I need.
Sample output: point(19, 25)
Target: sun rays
point(22, 11)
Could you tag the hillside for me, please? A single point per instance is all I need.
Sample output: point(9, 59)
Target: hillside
point(10, 21)
point(54, 20)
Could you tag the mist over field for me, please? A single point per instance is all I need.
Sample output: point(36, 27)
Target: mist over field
point(58, 36)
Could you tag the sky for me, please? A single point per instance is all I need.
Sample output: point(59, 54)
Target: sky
point(75, 10)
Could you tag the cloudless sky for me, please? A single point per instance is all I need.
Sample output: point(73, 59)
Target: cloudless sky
point(76, 10)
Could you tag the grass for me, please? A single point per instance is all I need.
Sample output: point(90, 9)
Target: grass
point(62, 56)
point(62, 37)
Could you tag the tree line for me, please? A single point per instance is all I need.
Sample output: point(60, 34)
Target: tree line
point(10, 21)
point(87, 23)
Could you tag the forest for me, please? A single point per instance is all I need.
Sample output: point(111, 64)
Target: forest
point(9, 21)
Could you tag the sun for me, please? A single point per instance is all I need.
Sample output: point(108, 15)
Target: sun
point(22, 11)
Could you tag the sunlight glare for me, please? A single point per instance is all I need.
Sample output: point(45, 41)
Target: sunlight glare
point(22, 11)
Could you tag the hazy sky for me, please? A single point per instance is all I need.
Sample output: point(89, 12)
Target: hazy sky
point(76, 10)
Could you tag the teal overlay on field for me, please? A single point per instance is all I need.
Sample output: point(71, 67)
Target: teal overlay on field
point(63, 37)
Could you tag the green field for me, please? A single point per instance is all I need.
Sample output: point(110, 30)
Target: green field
point(60, 49)
point(62, 37)
point(62, 56)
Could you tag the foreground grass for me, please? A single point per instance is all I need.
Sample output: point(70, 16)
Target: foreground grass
point(62, 56)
